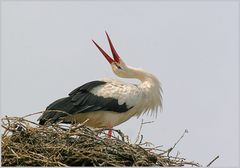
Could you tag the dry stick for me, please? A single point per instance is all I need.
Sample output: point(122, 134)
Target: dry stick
point(13, 151)
point(140, 140)
point(8, 125)
point(138, 135)
point(78, 126)
point(32, 114)
point(6, 131)
point(46, 161)
point(140, 129)
point(212, 161)
point(191, 163)
point(120, 134)
point(29, 121)
point(169, 150)
point(39, 155)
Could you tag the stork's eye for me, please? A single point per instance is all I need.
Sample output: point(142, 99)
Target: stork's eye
point(119, 67)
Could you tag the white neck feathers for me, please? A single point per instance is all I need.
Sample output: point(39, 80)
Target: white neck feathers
point(151, 89)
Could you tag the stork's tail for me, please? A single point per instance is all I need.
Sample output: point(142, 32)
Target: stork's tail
point(56, 111)
point(51, 116)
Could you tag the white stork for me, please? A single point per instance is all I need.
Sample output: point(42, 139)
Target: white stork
point(108, 102)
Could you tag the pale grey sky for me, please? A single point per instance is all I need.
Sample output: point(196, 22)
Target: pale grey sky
point(191, 46)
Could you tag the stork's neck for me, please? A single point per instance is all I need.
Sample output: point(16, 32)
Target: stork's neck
point(142, 75)
point(151, 88)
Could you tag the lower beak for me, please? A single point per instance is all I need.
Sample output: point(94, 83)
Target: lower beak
point(114, 52)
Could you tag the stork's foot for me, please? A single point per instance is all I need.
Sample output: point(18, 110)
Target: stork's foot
point(110, 133)
point(109, 130)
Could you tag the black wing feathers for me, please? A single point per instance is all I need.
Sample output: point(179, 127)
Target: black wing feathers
point(87, 87)
point(81, 100)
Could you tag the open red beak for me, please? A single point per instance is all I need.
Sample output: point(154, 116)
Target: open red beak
point(116, 57)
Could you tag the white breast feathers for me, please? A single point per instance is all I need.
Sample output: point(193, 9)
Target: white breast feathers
point(121, 91)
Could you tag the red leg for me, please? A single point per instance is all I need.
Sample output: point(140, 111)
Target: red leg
point(110, 133)
point(110, 130)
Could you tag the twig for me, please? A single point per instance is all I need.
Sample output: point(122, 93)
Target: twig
point(191, 163)
point(32, 114)
point(169, 150)
point(78, 126)
point(212, 161)
point(13, 152)
point(140, 140)
point(140, 129)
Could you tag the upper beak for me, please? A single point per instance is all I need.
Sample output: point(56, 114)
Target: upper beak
point(116, 57)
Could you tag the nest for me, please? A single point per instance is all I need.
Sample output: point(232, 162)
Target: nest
point(25, 143)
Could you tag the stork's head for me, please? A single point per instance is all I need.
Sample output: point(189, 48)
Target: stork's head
point(118, 66)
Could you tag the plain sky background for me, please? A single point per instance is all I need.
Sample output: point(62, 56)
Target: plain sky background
point(191, 46)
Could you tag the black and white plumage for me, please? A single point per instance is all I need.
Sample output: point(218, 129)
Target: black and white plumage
point(108, 102)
